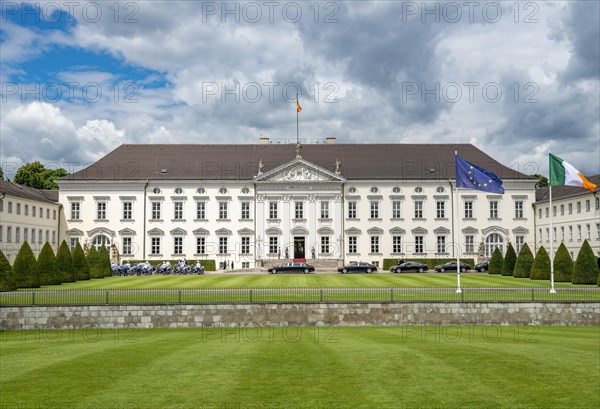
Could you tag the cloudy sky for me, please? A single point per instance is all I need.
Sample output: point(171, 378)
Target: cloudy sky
point(516, 79)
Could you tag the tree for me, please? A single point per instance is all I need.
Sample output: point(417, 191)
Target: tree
point(7, 277)
point(25, 268)
point(105, 258)
point(47, 266)
point(586, 269)
point(35, 175)
point(563, 264)
point(1, 176)
point(95, 263)
point(80, 264)
point(524, 263)
point(541, 265)
point(495, 266)
point(64, 263)
point(542, 181)
point(510, 258)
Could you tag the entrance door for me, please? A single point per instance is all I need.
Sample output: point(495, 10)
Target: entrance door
point(299, 248)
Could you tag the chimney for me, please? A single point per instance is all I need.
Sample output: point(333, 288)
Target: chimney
point(264, 140)
point(330, 140)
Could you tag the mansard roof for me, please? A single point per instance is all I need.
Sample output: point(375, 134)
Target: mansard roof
point(41, 195)
point(240, 162)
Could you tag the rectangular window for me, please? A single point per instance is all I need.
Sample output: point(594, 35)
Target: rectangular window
point(48, 214)
point(222, 211)
point(519, 210)
point(598, 203)
point(9, 234)
point(126, 245)
point(178, 210)
point(26, 209)
point(33, 211)
point(419, 248)
point(547, 212)
point(519, 242)
point(539, 213)
point(245, 210)
point(245, 245)
point(588, 229)
point(200, 245)
point(73, 243)
point(374, 244)
point(1, 234)
point(374, 209)
point(579, 232)
point(571, 233)
point(396, 244)
point(562, 209)
point(588, 205)
point(547, 234)
point(273, 207)
point(155, 245)
point(75, 208)
point(101, 211)
point(440, 209)
point(469, 243)
point(597, 231)
point(562, 233)
point(17, 234)
point(578, 207)
point(54, 214)
point(418, 209)
point(9, 207)
point(441, 244)
point(352, 210)
point(223, 241)
point(178, 245)
point(156, 211)
point(200, 212)
point(26, 234)
point(18, 208)
point(324, 210)
point(352, 244)
point(299, 210)
point(324, 244)
point(53, 237)
point(468, 210)
point(553, 211)
point(554, 234)
point(273, 245)
point(1, 205)
point(47, 236)
point(127, 210)
point(396, 209)
point(540, 237)
point(570, 207)
point(40, 234)
point(493, 209)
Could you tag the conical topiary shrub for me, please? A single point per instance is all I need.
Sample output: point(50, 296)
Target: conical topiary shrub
point(25, 268)
point(105, 259)
point(495, 266)
point(541, 265)
point(80, 264)
point(510, 259)
point(524, 263)
point(64, 263)
point(7, 277)
point(47, 266)
point(95, 263)
point(563, 264)
point(586, 269)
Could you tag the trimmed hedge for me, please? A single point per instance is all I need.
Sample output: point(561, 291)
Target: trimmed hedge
point(105, 261)
point(94, 263)
point(64, 263)
point(496, 262)
point(47, 266)
point(541, 265)
point(80, 264)
point(563, 264)
point(524, 263)
point(25, 268)
point(7, 277)
point(430, 262)
point(510, 259)
point(586, 269)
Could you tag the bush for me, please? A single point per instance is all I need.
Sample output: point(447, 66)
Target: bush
point(586, 269)
point(541, 265)
point(105, 261)
point(25, 268)
point(524, 263)
point(64, 263)
point(7, 277)
point(496, 262)
point(80, 264)
point(510, 259)
point(47, 266)
point(563, 264)
point(95, 263)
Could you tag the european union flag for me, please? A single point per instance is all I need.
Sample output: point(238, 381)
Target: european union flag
point(474, 177)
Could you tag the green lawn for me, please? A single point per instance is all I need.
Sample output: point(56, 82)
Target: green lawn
point(300, 367)
point(311, 280)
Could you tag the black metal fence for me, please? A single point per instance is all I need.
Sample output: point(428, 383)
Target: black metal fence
point(295, 295)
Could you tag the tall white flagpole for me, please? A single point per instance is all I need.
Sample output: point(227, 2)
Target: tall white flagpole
point(457, 232)
point(552, 290)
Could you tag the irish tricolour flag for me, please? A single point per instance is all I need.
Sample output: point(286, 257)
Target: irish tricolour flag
point(563, 173)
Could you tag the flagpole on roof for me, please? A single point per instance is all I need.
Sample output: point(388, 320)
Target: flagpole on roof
point(297, 115)
point(551, 231)
point(457, 233)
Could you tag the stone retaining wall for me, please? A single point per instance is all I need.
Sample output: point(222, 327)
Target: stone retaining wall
point(322, 314)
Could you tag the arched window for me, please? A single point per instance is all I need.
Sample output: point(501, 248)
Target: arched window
point(491, 242)
point(99, 240)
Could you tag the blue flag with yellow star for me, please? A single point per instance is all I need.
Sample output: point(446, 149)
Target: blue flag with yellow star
point(473, 177)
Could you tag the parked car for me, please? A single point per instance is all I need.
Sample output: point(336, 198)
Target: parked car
point(451, 266)
point(357, 267)
point(482, 267)
point(292, 267)
point(409, 266)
